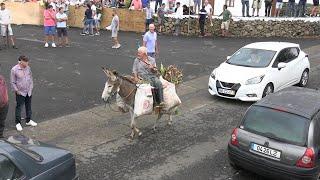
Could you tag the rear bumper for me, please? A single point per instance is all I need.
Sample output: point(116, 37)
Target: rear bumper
point(268, 168)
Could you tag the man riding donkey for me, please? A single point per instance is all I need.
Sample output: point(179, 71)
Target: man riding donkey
point(145, 67)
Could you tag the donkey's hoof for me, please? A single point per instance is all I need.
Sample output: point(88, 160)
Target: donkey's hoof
point(169, 123)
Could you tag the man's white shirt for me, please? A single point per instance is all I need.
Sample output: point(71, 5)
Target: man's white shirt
point(179, 13)
point(5, 17)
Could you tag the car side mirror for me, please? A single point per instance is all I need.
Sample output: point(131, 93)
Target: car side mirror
point(282, 65)
point(228, 57)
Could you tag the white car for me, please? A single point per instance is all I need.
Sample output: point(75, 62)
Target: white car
point(259, 69)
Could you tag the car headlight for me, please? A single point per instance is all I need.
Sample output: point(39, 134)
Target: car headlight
point(255, 80)
point(213, 74)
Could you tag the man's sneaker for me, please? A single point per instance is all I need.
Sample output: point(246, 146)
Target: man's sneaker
point(97, 34)
point(113, 47)
point(14, 47)
point(31, 123)
point(83, 34)
point(46, 45)
point(19, 127)
point(118, 46)
point(53, 45)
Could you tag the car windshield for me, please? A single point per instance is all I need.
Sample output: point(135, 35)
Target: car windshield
point(277, 124)
point(249, 57)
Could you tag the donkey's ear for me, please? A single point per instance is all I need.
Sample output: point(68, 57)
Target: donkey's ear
point(115, 72)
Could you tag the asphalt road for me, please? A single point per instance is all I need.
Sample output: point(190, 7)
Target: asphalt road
point(69, 80)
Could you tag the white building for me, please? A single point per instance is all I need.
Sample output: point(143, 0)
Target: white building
point(236, 10)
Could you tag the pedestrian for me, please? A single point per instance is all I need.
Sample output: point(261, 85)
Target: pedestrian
point(268, 5)
point(136, 5)
point(65, 5)
point(62, 18)
point(179, 17)
point(115, 29)
point(6, 29)
point(95, 18)
point(4, 104)
point(88, 22)
point(315, 8)
point(226, 16)
point(291, 6)
point(49, 26)
point(150, 42)
point(161, 12)
point(22, 84)
point(301, 7)
point(279, 5)
point(256, 5)
point(196, 6)
point(202, 20)
point(149, 16)
point(245, 6)
point(209, 10)
point(158, 2)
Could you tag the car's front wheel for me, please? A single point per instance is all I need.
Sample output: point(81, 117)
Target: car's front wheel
point(267, 90)
point(304, 78)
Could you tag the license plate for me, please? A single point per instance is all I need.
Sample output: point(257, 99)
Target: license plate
point(226, 91)
point(266, 151)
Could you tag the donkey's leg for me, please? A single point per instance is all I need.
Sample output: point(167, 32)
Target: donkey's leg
point(156, 122)
point(170, 120)
point(132, 124)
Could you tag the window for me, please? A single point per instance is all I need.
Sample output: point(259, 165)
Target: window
point(286, 56)
point(8, 169)
point(250, 57)
point(229, 3)
point(277, 124)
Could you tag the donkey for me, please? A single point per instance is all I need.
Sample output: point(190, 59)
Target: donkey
point(126, 89)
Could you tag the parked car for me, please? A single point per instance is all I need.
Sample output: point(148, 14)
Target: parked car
point(23, 158)
point(259, 69)
point(279, 136)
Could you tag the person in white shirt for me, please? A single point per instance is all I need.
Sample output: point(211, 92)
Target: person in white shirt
point(179, 17)
point(62, 18)
point(209, 10)
point(5, 21)
point(149, 16)
point(95, 18)
point(150, 41)
point(114, 29)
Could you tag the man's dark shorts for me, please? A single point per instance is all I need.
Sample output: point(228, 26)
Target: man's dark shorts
point(62, 32)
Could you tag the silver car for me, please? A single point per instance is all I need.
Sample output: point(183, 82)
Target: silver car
point(279, 136)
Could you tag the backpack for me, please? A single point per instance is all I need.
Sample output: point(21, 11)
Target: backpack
point(3, 92)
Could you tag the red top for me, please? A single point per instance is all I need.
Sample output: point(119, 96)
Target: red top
point(3, 92)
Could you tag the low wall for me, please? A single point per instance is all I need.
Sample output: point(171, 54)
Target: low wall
point(259, 27)
point(32, 13)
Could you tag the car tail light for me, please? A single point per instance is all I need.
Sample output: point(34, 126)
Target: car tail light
point(234, 138)
point(307, 160)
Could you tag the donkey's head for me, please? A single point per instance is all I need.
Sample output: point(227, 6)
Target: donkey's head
point(112, 84)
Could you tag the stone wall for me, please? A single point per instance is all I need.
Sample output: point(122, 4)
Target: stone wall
point(259, 27)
